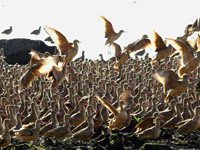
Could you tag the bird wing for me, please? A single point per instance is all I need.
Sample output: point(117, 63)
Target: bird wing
point(108, 27)
point(157, 41)
point(117, 49)
point(35, 57)
point(167, 78)
point(144, 122)
point(198, 42)
point(109, 106)
point(59, 39)
point(177, 44)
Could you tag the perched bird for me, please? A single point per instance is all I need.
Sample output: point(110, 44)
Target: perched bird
point(162, 50)
point(170, 82)
point(110, 34)
point(63, 46)
point(7, 31)
point(36, 32)
point(152, 133)
point(119, 116)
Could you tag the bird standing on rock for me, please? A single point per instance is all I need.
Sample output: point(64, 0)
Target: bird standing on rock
point(36, 32)
point(7, 31)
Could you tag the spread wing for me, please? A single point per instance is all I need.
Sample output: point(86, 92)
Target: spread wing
point(157, 41)
point(168, 79)
point(108, 27)
point(108, 106)
point(59, 39)
point(117, 49)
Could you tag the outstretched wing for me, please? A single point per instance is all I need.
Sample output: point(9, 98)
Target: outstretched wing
point(59, 39)
point(157, 41)
point(168, 79)
point(108, 106)
point(108, 27)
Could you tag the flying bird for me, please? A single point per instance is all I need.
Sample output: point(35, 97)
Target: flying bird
point(172, 85)
point(63, 46)
point(110, 34)
point(162, 50)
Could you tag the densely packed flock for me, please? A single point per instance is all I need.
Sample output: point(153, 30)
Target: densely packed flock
point(57, 96)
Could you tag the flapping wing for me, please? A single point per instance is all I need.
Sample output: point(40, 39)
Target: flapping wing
point(168, 79)
point(59, 39)
point(157, 41)
point(198, 42)
point(108, 27)
point(117, 49)
point(108, 106)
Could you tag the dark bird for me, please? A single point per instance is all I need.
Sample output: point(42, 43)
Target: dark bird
point(140, 53)
point(36, 32)
point(7, 31)
point(48, 39)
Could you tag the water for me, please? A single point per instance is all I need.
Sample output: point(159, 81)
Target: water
point(79, 19)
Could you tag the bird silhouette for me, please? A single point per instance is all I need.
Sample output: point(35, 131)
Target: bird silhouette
point(36, 32)
point(7, 31)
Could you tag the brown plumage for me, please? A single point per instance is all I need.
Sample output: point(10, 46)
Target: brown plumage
point(152, 133)
point(119, 116)
point(29, 133)
point(110, 34)
point(183, 48)
point(61, 131)
point(42, 67)
point(190, 66)
point(5, 138)
point(162, 50)
point(192, 124)
point(138, 44)
point(171, 83)
point(64, 47)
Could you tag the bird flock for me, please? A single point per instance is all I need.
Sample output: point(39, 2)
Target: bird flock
point(56, 96)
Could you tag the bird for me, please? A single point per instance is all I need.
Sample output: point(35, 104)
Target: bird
point(5, 138)
point(162, 50)
point(174, 120)
point(63, 46)
point(7, 31)
point(171, 85)
point(190, 125)
point(152, 133)
point(61, 131)
point(110, 34)
point(29, 133)
point(36, 32)
point(190, 66)
point(119, 116)
point(47, 65)
point(184, 49)
point(140, 53)
point(85, 133)
point(138, 44)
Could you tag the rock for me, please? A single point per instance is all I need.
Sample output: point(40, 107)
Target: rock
point(17, 50)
